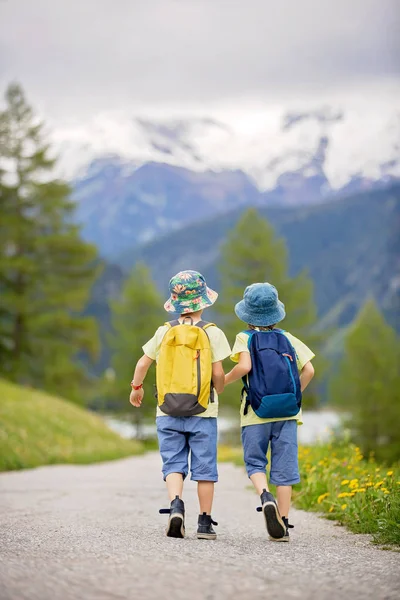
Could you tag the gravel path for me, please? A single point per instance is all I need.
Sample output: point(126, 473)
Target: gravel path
point(94, 533)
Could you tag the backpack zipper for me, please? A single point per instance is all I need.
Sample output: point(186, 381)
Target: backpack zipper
point(198, 374)
point(285, 356)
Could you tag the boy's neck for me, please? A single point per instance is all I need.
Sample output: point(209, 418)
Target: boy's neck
point(195, 316)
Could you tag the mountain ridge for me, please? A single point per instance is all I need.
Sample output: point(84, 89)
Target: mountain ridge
point(348, 243)
point(358, 140)
point(349, 246)
point(148, 177)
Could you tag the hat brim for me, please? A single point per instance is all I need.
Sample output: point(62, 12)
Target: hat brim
point(188, 306)
point(260, 319)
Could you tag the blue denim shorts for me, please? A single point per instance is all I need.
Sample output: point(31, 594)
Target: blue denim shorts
point(180, 436)
point(282, 435)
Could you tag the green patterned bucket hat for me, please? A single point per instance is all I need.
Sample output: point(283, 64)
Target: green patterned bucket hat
point(189, 293)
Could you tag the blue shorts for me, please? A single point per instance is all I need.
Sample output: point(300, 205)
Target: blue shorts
point(179, 436)
point(282, 435)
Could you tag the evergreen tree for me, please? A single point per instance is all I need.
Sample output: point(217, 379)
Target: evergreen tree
point(46, 270)
point(367, 384)
point(253, 253)
point(135, 318)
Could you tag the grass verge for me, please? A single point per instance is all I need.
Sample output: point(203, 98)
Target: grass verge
point(37, 429)
point(338, 481)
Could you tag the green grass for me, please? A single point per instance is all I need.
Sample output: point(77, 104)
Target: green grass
point(37, 429)
point(336, 480)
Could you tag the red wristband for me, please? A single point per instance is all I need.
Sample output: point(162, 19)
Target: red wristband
point(136, 387)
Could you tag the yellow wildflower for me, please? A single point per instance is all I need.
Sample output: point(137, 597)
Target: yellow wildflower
point(389, 473)
point(378, 484)
point(359, 490)
point(343, 495)
point(344, 482)
point(386, 492)
point(331, 509)
point(322, 497)
point(344, 506)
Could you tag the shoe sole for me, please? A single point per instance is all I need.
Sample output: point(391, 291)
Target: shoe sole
point(206, 536)
point(282, 539)
point(176, 528)
point(273, 521)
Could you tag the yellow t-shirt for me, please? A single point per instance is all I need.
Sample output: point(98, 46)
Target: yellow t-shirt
point(303, 356)
point(220, 349)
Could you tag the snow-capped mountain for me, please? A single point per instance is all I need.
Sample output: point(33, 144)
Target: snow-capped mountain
point(140, 178)
point(339, 144)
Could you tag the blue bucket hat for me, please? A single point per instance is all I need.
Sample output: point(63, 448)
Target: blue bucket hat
point(260, 305)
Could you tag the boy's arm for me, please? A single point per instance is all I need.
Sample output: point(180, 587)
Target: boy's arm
point(307, 373)
point(241, 369)
point(141, 369)
point(218, 376)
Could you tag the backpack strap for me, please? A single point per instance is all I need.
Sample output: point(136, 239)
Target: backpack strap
point(245, 388)
point(172, 323)
point(204, 324)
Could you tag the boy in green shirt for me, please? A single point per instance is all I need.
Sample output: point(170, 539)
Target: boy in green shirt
point(261, 309)
point(183, 433)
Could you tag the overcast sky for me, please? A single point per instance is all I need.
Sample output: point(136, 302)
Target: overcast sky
point(83, 56)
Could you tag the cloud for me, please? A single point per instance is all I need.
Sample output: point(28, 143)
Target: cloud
point(80, 57)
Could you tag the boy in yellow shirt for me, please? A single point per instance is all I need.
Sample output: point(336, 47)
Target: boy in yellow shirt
point(276, 368)
point(186, 427)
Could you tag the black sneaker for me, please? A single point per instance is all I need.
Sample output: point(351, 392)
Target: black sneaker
point(273, 520)
point(205, 529)
point(176, 521)
point(284, 538)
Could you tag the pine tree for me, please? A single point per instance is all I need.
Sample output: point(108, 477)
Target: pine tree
point(46, 270)
point(135, 318)
point(253, 253)
point(367, 384)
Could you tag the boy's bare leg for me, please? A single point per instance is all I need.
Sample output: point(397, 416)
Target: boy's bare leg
point(205, 491)
point(174, 483)
point(284, 495)
point(259, 480)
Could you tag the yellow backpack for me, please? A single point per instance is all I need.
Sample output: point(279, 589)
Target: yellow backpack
point(184, 370)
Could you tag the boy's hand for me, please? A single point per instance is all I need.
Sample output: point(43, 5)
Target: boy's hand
point(136, 397)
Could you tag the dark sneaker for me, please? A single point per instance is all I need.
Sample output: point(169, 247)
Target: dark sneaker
point(205, 529)
point(273, 520)
point(176, 521)
point(284, 538)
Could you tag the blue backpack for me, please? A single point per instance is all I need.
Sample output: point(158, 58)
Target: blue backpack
point(273, 384)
